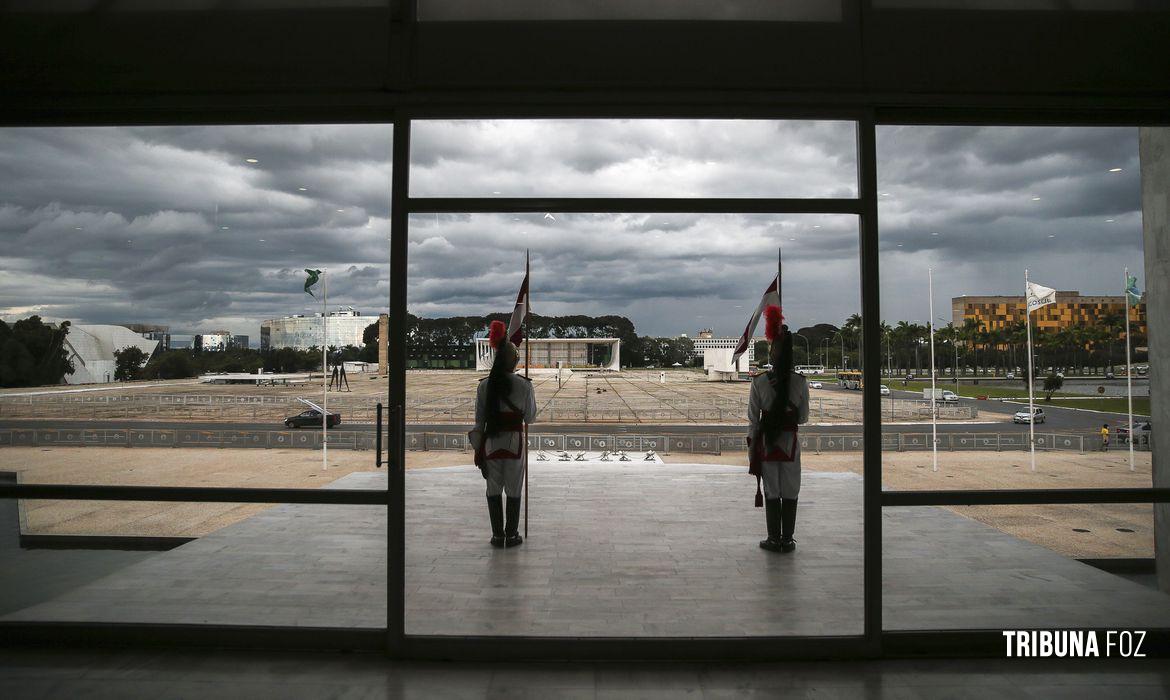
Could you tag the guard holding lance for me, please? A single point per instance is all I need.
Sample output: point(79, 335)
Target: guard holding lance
point(505, 402)
point(777, 405)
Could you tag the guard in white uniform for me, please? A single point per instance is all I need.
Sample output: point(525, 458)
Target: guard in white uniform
point(773, 442)
point(504, 403)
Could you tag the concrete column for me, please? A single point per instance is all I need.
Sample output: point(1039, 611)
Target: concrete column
point(383, 345)
point(1154, 150)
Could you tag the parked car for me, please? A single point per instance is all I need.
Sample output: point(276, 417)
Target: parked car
point(815, 385)
point(949, 395)
point(1141, 430)
point(885, 390)
point(311, 418)
point(1010, 375)
point(1022, 416)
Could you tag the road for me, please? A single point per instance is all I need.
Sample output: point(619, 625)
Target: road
point(1065, 420)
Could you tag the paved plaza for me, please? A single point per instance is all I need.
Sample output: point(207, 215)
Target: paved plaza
point(614, 550)
point(448, 396)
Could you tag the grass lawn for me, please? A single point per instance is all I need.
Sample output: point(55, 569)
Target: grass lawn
point(1141, 404)
point(972, 390)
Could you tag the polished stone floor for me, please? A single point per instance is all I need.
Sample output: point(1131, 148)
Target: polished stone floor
point(613, 550)
point(26, 674)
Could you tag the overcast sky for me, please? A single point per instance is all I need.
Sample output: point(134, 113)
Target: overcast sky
point(176, 226)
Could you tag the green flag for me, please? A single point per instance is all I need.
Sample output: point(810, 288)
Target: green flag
point(1132, 295)
point(314, 277)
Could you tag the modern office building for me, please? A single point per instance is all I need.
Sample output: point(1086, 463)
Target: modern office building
point(550, 353)
point(239, 341)
point(152, 331)
point(707, 340)
point(302, 332)
point(1070, 310)
point(216, 341)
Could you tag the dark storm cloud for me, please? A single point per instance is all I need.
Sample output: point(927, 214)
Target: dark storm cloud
point(175, 225)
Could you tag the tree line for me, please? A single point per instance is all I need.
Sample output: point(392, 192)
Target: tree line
point(905, 345)
point(32, 353)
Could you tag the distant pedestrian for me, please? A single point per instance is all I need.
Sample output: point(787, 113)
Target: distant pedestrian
point(1104, 437)
point(504, 402)
point(777, 404)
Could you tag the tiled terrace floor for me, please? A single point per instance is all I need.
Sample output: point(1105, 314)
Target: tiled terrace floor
point(666, 550)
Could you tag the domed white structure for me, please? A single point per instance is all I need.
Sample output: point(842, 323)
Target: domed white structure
point(91, 347)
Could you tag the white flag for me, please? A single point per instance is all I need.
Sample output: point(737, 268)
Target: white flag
point(1039, 296)
point(771, 296)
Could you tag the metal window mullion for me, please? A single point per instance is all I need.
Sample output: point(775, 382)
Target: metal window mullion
point(191, 494)
point(871, 377)
point(1005, 497)
point(623, 205)
point(396, 393)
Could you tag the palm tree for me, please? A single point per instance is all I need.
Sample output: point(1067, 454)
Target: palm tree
point(887, 332)
point(1114, 325)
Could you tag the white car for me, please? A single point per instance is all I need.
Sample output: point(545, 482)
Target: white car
point(1022, 416)
point(948, 395)
point(815, 385)
point(885, 390)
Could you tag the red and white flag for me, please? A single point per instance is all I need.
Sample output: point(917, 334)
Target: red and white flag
point(771, 297)
point(520, 313)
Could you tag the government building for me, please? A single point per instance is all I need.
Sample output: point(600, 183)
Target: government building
point(1071, 310)
point(303, 332)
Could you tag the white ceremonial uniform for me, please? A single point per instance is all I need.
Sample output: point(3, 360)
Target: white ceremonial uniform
point(781, 478)
point(506, 470)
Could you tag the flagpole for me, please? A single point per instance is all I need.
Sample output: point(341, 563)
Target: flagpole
point(1031, 397)
point(325, 373)
point(1128, 370)
point(779, 268)
point(527, 358)
point(933, 396)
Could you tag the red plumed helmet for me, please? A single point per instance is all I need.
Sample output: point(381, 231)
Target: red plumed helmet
point(773, 318)
point(496, 333)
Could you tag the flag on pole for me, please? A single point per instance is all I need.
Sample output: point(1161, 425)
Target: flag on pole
point(1132, 295)
point(771, 298)
point(314, 278)
point(519, 314)
point(1039, 295)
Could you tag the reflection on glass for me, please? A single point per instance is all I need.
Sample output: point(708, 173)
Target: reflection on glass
point(527, 10)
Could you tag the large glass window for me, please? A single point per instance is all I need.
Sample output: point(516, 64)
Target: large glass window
point(157, 333)
point(975, 214)
point(638, 501)
point(633, 158)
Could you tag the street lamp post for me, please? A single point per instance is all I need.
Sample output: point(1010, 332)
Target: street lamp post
point(807, 352)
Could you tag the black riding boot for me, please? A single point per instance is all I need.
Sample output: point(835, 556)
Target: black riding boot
point(772, 513)
point(787, 544)
point(512, 538)
point(496, 513)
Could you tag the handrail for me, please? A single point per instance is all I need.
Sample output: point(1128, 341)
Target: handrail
point(1024, 497)
point(195, 494)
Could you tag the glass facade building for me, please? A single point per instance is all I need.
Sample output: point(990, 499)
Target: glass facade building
point(304, 332)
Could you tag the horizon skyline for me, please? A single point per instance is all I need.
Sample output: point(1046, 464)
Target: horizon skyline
point(209, 227)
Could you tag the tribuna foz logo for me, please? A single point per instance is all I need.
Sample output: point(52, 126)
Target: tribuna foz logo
point(1074, 643)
